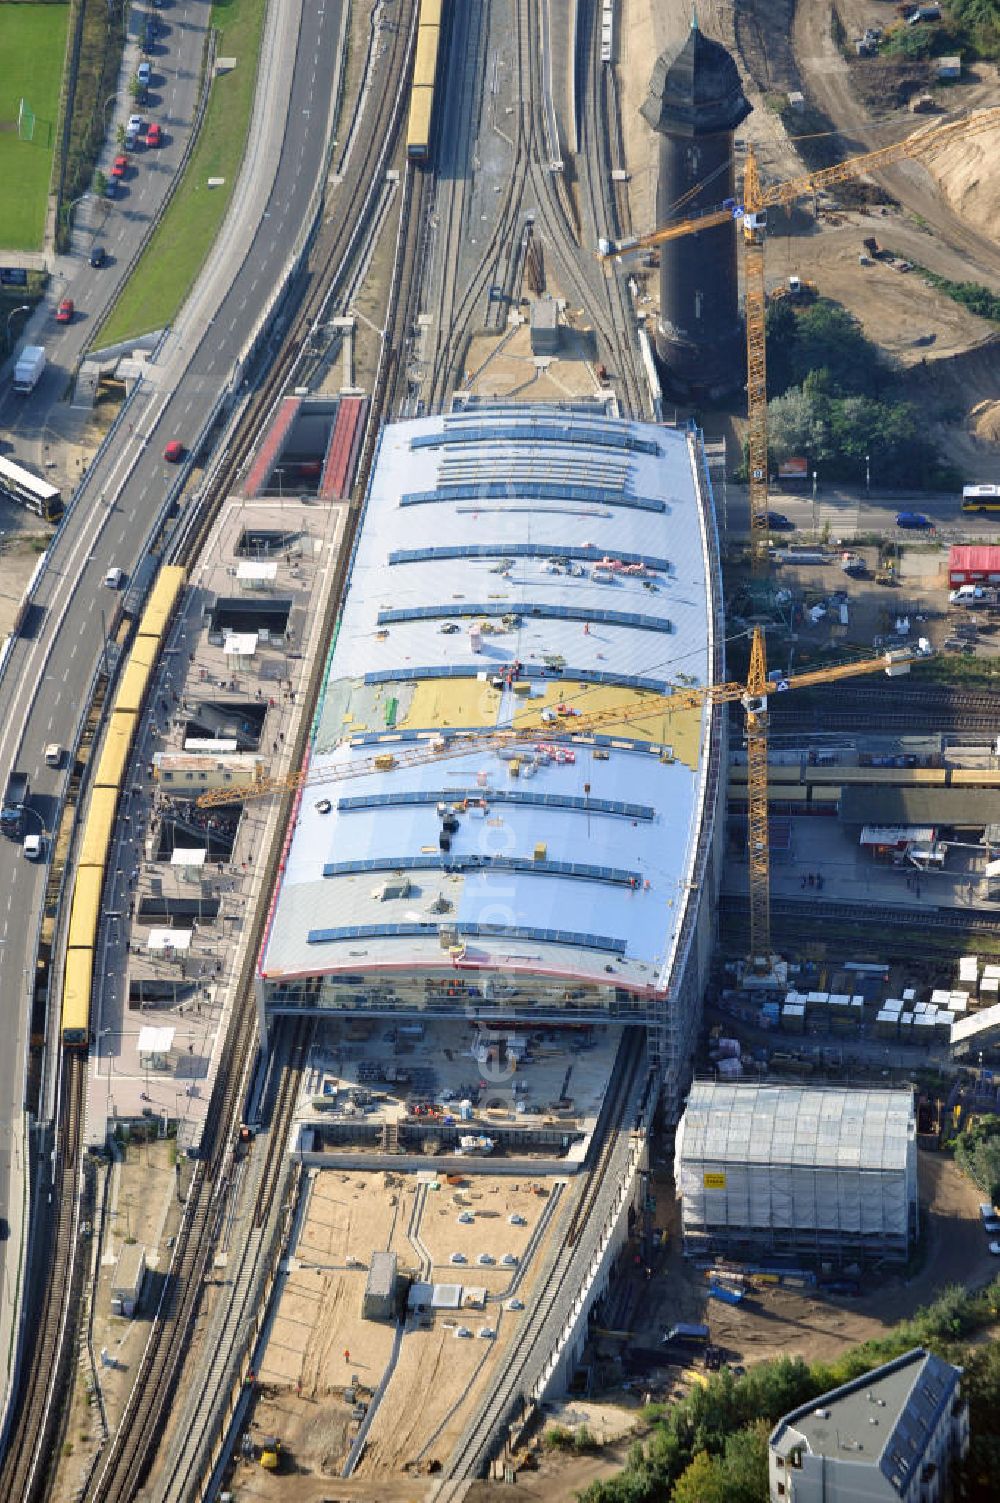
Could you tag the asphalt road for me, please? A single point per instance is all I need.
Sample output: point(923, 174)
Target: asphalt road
point(847, 512)
point(43, 689)
point(120, 225)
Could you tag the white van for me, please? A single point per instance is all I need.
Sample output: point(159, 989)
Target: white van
point(32, 847)
point(113, 578)
point(53, 754)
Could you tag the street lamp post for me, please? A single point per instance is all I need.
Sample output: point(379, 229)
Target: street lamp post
point(815, 512)
point(72, 206)
point(24, 308)
point(868, 475)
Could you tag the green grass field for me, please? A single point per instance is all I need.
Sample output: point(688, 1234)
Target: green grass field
point(33, 40)
point(170, 263)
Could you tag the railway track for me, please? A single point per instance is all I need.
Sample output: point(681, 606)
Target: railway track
point(909, 695)
point(130, 1457)
point(604, 298)
point(510, 1389)
point(456, 310)
point(198, 1424)
point(356, 198)
point(532, 189)
point(32, 1449)
point(885, 915)
point(121, 1468)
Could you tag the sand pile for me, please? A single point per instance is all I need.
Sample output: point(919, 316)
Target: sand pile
point(984, 422)
point(966, 174)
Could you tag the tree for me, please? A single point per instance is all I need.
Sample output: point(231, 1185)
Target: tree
point(829, 338)
point(703, 1481)
point(795, 426)
point(782, 331)
point(744, 1464)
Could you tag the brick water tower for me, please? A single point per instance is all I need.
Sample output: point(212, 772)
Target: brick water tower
point(695, 103)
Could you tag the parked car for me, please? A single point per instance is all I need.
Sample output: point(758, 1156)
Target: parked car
point(111, 187)
point(154, 135)
point(65, 311)
point(133, 130)
point(142, 74)
point(119, 165)
point(914, 520)
point(995, 1249)
point(98, 255)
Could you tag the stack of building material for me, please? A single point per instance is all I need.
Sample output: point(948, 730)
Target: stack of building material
point(968, 971)
point(989, 985)
point(793, 1017)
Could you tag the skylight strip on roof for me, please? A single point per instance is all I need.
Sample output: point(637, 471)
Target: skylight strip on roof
point(502, 490)
point(532, 611)
point(361, 801)
point(590, 554)
point(430, 929)
point(527, 670)
point(453, 861)
point(535, 432)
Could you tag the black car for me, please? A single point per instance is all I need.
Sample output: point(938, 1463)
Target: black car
point(111, 187)
point(98, 255)
point(778, 522)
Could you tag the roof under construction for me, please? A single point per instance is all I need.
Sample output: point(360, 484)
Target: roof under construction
point(967, 808)
point(517, 568)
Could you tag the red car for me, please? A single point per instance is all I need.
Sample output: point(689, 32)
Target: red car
point(65, 311)
point(154, 135)
point(174, 452)
point(118, 166)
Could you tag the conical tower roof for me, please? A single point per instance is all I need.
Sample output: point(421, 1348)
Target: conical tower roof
point(695, 89)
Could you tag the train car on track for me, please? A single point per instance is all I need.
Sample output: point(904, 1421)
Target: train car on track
point(77, 979)
point(97, 831)
point(159, 612)
point(134, 682)
point(108, 781)
point(418, 131)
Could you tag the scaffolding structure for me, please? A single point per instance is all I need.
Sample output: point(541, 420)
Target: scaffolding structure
point(788, 1172)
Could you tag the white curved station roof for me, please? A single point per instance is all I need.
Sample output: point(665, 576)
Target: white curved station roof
point(512, 564)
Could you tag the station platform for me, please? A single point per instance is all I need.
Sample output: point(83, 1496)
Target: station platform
point(182, 884)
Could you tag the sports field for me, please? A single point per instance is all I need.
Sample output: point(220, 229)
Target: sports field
point(33, 41)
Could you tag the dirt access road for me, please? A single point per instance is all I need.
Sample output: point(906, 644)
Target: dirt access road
point(826, 76)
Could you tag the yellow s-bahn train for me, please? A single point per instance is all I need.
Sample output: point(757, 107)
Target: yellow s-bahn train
point(422, 90)
point(106, 787)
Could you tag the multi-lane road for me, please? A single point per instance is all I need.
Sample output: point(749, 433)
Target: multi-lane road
point(121, 224)
point(845, 513)
point(44, 685)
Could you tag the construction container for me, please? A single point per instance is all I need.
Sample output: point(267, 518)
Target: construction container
point(126, 1285)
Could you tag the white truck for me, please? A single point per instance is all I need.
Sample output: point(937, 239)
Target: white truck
point(29, 367)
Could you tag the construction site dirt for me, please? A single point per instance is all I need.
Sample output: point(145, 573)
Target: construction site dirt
point(937, 216)
point(778, 1320)
point(480, 1240)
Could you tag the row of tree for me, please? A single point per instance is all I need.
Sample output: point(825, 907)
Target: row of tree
point(711, 1446)
point(835, 402)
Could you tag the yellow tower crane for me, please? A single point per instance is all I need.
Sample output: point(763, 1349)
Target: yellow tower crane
point(567, 728)
point(752, 214)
